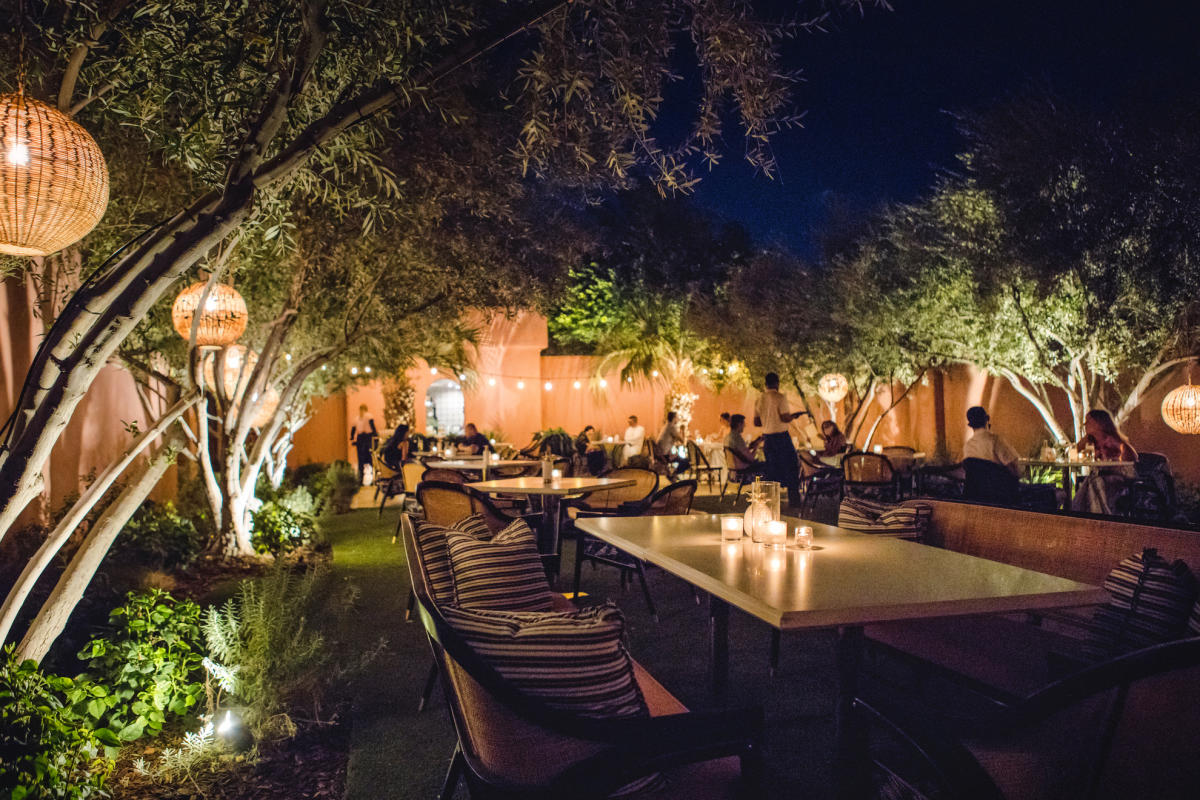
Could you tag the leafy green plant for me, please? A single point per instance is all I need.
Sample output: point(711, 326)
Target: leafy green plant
point(159, 536)
point(271, 648)
point(339, 487)
point(279, 529)
point(47, 749)
point(151, 660)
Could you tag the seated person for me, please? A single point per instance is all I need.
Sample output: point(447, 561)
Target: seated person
point(668, 439)
point(395, 450)
point(744, 460)
point(591, 452)
point(1097, 492)
point(475, 442)
point(635, 437)
point(835, 440)
point(985, 445)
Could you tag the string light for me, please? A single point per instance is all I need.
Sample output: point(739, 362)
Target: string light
point(433, 370)
point(603, 383)
point(367, 370)
point(548, 386)
point(577, 384)
point(491, 381)
point(520, 384)
point(653, 373)
point(354, 370)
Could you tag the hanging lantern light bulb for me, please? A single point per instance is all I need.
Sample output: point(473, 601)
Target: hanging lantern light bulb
point(1181, 408)
point(833, 387)
point(222, 321)
point(53, 179)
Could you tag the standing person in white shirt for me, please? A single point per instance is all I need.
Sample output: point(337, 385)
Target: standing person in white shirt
point(635, 437)
point(771, 413)
point(668, 439)
point(986, 445)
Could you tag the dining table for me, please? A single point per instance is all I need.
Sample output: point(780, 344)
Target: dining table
point(552, 494)
point(845, 582)
point(1070, 468)
point(479, 465)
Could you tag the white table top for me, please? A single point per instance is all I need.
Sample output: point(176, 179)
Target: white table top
point(1037, 462)
point(847, 579)
point(562, 486)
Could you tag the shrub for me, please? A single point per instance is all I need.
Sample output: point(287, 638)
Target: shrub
point(340, 486)
point(151, 658)
point(158, 536)
point(47, 750)
point(272, 648)
point(278, 529)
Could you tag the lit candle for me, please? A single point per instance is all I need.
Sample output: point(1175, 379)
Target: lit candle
point(804, 537)
point(495, 458)
point(776, 535)
point(731, 528)
point(555, 474)
point(878, 448)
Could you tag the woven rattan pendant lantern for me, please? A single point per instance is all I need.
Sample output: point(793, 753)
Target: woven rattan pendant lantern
point(53, 180)
point(222, 321)
point(832, 387)
point(1181, 408)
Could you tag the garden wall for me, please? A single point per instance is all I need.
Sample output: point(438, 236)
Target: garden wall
point(932, 418)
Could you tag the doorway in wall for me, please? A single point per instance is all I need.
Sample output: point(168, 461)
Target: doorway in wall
point(444, 408)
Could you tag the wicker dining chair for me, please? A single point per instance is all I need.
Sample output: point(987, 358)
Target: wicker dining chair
point(737, 471)
point(512, 745)
point(869, 475)
point(670, 500)
point(388, 482)
point(701, 468)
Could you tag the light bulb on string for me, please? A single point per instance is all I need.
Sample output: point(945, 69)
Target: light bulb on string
point(548, 386)
point(520, 384)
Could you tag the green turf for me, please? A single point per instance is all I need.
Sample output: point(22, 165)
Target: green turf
point(398, 753)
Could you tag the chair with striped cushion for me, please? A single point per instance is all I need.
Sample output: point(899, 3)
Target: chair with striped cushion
point(869, 475)
point(527, 734)
point(908, 521)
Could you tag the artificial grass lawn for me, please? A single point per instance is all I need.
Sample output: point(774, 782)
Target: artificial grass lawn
point(397, 753)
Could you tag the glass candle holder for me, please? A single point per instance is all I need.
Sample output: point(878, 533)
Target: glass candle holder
point(878, 449)
point(495, 458)
point(731, 528)
point(804, 537)
point(555, 474)
point(776, 533)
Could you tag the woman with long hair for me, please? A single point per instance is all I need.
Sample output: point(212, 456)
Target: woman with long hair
point(1097, 492)
point(835, 440)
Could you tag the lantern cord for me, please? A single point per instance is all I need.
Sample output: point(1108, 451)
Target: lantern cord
point(21, 49)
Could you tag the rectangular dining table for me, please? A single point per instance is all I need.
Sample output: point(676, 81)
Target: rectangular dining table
point(552, 494)
point(845, 582)
point(1069, 467)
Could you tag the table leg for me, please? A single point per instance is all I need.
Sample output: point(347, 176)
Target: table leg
point(851, 763)
point(718, 614)
point(550, 541)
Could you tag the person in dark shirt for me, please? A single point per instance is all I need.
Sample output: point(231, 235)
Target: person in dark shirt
point(475, 441)
point(395, 449)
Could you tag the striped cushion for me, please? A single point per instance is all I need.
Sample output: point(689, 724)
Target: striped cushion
point(572, 661)
point(431, 540)
point(1150, 602)
point(503, 573)
point(870, 516)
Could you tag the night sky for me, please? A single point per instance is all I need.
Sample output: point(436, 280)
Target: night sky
point(877, 91)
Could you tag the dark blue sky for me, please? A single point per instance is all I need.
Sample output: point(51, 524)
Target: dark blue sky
point(877, 90)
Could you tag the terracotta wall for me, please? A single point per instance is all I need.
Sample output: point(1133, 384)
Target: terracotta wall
point(510, 351)
point(97, 431)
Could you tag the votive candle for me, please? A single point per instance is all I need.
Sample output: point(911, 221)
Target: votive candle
point(776, 534)
point(804, 537)
point(555, 474)
point(731, 528)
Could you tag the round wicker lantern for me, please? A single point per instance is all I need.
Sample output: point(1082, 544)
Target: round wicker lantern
point(53, 180)
point(222, 321)
point(833, 387)
point(1181, 408)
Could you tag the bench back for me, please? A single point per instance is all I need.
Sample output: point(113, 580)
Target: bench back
point(1080, 548)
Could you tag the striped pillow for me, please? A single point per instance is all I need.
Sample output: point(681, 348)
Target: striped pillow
point(870, 516)
point(504, 573)
point(574, 661)
point(1150, 602)
point(431, 540)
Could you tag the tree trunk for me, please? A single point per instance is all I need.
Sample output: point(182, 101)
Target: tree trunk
point(49, 622)
point(62, 532)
